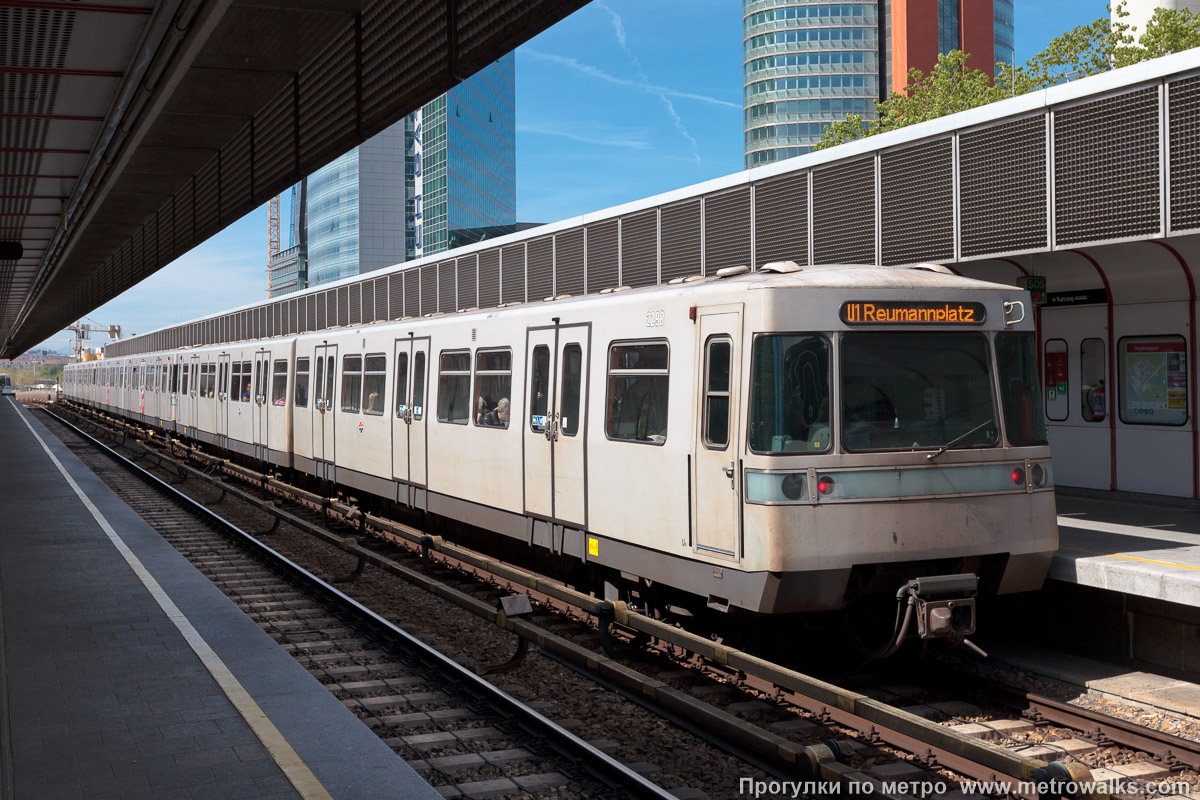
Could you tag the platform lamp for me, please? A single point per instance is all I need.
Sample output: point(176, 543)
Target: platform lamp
point(11, 251)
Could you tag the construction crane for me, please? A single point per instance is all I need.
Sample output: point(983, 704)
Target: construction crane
point(272, 236)
point(84, 330)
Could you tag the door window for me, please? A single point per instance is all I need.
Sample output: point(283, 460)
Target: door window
point(716, 394)
point(329, 382)
point(539, 388)
point(401, 384)
point(418, 385)
point(184, 388)
point(301, 399)
point(244, 391)
point(572, 380)
point(1094, 396)
point(320, 383)
point(1058, 407)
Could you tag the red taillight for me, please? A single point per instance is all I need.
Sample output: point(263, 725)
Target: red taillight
point(825, 485)
point(1018, 476)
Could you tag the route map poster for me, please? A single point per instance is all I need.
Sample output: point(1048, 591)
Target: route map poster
point(1154, 380)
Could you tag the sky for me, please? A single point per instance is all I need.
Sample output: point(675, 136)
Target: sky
point(622, 100)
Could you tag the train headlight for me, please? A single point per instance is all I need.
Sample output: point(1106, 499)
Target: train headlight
point(1018, 476)
point(1037, 473)
point(825, 485)
point(792, 486)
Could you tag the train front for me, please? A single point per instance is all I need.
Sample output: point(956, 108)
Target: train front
point(897, 453)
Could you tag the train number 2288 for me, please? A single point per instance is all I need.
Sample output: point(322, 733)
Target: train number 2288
point(656, 319)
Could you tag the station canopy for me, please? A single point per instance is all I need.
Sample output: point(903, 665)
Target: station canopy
point(134, 130)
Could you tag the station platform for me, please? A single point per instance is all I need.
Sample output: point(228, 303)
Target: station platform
point(128, 674)
point(1135, 548)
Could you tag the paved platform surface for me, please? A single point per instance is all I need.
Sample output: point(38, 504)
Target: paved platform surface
point(125, 673)
point(1139, 549)
point(1147, 689)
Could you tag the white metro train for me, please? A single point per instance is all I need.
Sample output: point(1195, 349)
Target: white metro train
point(788, 440)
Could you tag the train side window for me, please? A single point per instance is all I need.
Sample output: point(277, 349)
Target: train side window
point(1152, 379)
point(418, 397)
point(235, 380)
point(351, 383)
point(493, 387)
point(716, 393)
point(279, 382)
point(247, 374)
point(185, 380)
point(1058, 406)
point(401, 384)
point(374, 384)
point(320, 383)
point(1016, 363)
point(1093, 397)
point(572, 381)
point(539, 388)
point(454, 388)
point(260, 381)
point(301, 383)
point(164, 379)
point(638, 380)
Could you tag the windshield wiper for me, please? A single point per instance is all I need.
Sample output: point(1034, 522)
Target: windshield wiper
point(958, 439)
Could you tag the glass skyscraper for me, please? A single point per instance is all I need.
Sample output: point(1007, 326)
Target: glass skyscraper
point(362, 207)
point(809, 63)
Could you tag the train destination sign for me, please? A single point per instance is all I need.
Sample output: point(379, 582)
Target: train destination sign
point(917, 312)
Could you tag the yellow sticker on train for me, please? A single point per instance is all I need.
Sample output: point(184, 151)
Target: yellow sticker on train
point(593, 546)
point(890, 312)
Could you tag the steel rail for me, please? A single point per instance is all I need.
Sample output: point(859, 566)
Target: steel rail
point(602, 764)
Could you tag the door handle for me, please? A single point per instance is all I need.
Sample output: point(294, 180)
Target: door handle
point(728, 470)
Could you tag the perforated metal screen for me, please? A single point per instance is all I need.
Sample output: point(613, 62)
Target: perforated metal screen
point(1184, 110)
point(603, 256)
point(844, 213)
point(917, 191)
point(781, 220)
point(1003, 201)
point(639, 249)
point(681, 240)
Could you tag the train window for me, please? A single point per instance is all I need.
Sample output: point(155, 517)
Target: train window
point(572, 381)
point(418, 397)
point(539, 388)
point(1016, 361)
point(906, 391)
point(260, 381)
point(638, 380)
point(320, 387)
point(1058, 406)
point(1153, 380)
point(279, 377)
point(1093, 398)
point(716, 393)
point(247, 372)
point(454, 388)
point(493, 387)
point(301, 383)
point(205, 378)
point(789, 394)
point(185, 380)
point(351, 383)
point(195, 380)
point(235, 381)
point(375, 384)
point(401, 384)
point(164, 380)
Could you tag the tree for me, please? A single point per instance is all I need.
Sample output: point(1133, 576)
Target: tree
point(1084, 50)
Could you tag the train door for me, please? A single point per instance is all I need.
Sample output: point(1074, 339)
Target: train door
point(715, 479)
point(258, 411)
point(1078, 394)
point(556, 368)
point(409, 432)
point(324, 409)
point(223, 375)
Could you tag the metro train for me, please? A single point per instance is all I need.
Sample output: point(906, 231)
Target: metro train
point(795, 439)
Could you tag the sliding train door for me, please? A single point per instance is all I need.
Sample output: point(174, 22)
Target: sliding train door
point(324, 407)
point(715, 490)
point(553, 424)
point(409, 451)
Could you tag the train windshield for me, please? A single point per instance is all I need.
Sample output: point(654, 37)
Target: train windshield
point(905, 391)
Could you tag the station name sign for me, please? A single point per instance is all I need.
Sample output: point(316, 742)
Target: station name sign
point(918, 312)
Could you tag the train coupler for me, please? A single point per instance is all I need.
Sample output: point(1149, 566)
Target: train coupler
point(944, 605)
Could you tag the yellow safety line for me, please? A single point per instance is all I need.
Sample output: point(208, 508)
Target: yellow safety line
point(1131, 558)
point(289, 761)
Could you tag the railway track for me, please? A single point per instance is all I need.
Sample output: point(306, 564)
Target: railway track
point(839, 734)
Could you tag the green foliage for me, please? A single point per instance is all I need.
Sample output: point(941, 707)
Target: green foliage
point(32, 374)
point(1084, 50)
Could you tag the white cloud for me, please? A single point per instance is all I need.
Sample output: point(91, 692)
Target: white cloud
point(599, 74)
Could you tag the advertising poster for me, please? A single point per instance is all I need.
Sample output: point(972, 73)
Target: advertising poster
point(1154, 380)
